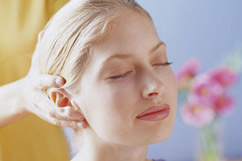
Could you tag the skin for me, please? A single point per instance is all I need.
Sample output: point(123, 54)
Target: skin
point(16, 102)
point(111, 130)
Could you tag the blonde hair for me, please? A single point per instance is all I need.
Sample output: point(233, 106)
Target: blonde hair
point(64, 49)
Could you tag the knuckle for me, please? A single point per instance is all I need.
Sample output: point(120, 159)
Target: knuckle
point(58, 122)
point(55, 122)
point(61, 115)
point(52, 114)
point(61, 110)
point(65, 123)
point(72, 124)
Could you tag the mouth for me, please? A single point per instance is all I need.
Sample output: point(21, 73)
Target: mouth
point(155, 113)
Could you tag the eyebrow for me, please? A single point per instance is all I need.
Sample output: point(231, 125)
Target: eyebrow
point(125, 56)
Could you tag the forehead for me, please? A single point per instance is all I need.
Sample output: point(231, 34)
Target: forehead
point(132, 34)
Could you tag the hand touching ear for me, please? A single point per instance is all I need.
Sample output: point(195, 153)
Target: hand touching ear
point(35, 100)
point(65, 108)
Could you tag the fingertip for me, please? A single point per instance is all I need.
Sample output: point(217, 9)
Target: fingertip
point(59, 81)
point(80, 125)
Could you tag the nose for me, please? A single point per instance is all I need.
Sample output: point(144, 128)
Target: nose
point(153, 86)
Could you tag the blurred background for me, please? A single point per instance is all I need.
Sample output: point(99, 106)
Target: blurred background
point(209, 31)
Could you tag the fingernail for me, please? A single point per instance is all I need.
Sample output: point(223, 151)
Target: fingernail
point(59, 81)
point(79, 125)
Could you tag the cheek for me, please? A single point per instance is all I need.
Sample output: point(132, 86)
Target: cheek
point(111, 112)
point(119, 100)
point(169, 79)
point(174, 87)
point(171, 82)
point(173, 92)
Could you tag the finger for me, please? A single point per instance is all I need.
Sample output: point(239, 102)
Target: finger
point(71, 124)
point(72, 113)
point(47, 118)
point(52, 117)
point(46, 108)
point(76, 124)
point(64, 117)
point(66, 113)
point(45, 81)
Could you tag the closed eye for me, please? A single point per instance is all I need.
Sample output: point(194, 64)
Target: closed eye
point(164, 64)
point(125, 74)
point(120, 76)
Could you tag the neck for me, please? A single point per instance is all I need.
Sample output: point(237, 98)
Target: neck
point(95, 149)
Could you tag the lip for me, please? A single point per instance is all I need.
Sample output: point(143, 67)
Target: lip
point(155, 113)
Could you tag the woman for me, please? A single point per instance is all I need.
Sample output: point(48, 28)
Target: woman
point(116, 73)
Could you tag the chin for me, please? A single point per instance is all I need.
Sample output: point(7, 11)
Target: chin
point(162, 137)
point(154, 140)
point(163, 133)
point(157, 137)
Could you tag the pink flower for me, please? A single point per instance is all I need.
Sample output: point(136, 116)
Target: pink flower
point(187, 72)
point(206, 88)
point(197, 113)
point(224, 75)
point(223, 104)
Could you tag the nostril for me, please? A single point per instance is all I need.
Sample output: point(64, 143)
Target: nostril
point(151, 94)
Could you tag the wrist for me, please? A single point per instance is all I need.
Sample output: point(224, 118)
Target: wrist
point(11, 103)
point(21, 100)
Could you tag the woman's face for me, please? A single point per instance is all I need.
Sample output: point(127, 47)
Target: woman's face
point(110, 106)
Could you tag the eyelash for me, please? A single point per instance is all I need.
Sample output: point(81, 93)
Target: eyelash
point(124, 75)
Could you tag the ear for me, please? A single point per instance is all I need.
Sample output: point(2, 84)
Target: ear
point(59, 97)
point(62, 100)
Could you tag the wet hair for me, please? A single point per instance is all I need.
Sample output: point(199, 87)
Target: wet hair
point(64, 48)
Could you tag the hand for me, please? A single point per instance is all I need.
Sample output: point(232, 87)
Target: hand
point(36, 101)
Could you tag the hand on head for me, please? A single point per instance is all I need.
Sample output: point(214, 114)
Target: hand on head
point(37, 101)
